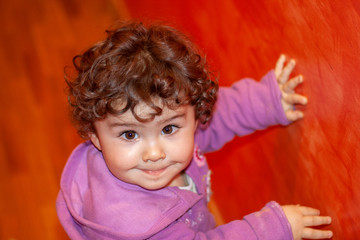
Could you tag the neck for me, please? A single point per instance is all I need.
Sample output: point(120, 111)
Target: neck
point(179, 180)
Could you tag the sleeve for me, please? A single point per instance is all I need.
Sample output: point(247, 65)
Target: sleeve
point(245, 107)
point(268, 224)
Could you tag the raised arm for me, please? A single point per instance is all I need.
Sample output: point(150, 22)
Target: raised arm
point(249, 105)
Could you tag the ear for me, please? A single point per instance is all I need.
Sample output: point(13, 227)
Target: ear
point(95, 140)
point(196, 124)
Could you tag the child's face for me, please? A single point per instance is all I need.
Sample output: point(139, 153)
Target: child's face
point(151, 154)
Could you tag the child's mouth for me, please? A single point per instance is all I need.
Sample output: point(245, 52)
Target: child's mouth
point(155, 172)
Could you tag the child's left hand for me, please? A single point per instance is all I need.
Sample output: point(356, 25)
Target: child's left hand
point(289, 98)
point(304, 219)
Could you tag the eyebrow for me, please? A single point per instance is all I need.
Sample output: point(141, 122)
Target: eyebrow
point(121, 123)
point(180, 115)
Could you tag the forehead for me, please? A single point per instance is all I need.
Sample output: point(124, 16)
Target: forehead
point(148, 113)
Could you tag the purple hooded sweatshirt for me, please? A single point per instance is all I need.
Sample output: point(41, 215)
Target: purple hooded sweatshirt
point(93, 204)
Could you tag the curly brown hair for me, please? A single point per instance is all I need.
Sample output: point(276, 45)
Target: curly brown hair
point(138, 63)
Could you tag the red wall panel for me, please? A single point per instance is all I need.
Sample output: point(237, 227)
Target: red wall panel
point(314, 161)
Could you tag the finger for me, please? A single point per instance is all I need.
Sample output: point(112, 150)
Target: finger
point(290, 85)
point(294, 98)
point(310, 221)
point(279, 65)
point(294, 115)
point(287, 70)
point(308, 211)
point(316, 234)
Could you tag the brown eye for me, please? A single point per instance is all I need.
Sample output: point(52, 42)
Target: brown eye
point(129, 135)
point(168, 129)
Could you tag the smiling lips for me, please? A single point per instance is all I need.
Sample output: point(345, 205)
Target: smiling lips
point(155, 172)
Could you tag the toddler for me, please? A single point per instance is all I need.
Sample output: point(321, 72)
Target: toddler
point(149, 107)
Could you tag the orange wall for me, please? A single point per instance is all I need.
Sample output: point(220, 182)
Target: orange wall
point(314, 161)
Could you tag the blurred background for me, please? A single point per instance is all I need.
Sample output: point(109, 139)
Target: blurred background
point(312, 162)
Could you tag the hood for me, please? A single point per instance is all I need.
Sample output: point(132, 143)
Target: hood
point(90, 194)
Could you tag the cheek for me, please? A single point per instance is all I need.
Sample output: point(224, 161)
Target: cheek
point(121, 158)
point(185, 147)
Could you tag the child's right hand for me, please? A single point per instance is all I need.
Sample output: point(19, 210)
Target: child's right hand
point(302, 219)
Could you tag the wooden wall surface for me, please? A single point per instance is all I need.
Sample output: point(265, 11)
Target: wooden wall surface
point(37, 39)
point(312, 162)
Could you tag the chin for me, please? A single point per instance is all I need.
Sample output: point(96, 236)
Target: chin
point(154, 186)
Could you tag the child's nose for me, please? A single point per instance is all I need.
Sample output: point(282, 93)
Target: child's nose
point(153, 152)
